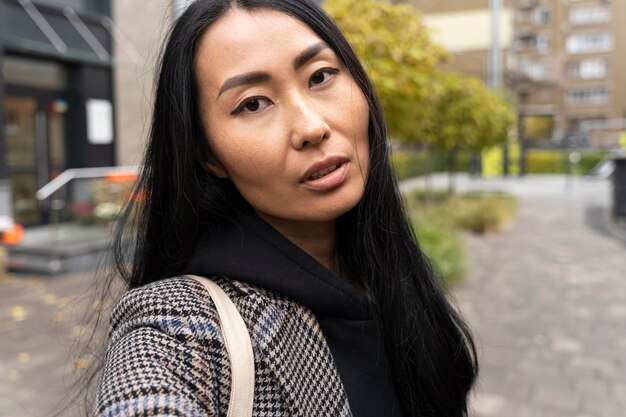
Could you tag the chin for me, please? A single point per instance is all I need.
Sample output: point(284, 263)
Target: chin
point(332, 212)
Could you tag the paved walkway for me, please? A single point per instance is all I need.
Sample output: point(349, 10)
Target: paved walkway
point(547, 301)
point(39, 325)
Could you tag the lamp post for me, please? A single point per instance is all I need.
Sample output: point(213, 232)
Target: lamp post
point(495, 64)
point(495, 51)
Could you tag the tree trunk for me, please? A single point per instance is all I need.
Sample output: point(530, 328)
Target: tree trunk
point(451, 172)
point(428, 176)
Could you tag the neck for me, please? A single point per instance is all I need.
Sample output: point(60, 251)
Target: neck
point(316, 239)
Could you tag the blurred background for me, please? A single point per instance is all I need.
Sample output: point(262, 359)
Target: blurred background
point(507, 120)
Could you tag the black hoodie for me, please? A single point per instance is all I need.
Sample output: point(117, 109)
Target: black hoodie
point(250, 250)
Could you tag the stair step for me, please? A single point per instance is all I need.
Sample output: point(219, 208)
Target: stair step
point(60, 249)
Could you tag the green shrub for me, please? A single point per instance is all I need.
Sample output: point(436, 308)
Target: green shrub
point(437, 224)
point(409, 164)
point(556, 161)
point(482, 213)
point(443, 246)
point(589, 160)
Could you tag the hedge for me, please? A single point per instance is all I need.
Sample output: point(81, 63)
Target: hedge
point(409, 164)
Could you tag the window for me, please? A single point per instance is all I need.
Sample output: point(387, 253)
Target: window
point(589, 15)
point(538, 127)
point(597, 123)
point(525, 40)
point(542, 43)
point(524, 14)
point(588, 69)
point(535, 70)
point(592, 95)
point(541, 15)
point(589, 42)
point(48, 75)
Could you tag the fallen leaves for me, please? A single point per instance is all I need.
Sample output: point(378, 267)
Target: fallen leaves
point(50, 299)
point(78, 330)
point(80, 363)
point(18, 313)
point(23, 357)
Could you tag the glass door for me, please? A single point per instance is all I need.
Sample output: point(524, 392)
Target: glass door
point(35, 150)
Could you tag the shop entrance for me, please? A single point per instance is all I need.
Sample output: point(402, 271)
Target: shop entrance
point(35, 143)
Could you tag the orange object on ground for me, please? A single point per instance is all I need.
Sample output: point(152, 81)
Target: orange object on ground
point(13, 236)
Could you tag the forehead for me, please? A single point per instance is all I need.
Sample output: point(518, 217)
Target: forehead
point(243, 41)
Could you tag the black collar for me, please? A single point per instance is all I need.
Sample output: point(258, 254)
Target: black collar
point(250, 250)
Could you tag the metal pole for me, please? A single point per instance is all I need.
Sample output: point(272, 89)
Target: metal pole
point(495, 63)
point(495, 52)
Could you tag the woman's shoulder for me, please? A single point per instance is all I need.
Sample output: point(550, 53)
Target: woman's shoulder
point(181, 303)
point(170, 297)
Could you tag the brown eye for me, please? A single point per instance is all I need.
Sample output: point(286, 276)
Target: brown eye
point(317, 78)
point(253, 105)
point(322, 76)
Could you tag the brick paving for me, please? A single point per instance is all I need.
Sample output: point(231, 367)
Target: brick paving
point(40, 324)
point(547, 300)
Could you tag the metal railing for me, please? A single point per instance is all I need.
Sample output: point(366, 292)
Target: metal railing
point(104, 186)
point(82, 173)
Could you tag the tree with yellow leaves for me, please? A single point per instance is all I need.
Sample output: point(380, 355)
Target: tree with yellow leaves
point(399, 55)
point(441, 111)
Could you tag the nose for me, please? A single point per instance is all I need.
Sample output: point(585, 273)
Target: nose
point(308, 124)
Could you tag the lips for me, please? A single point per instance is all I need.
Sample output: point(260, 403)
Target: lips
point(323, 172)
point(326, 175)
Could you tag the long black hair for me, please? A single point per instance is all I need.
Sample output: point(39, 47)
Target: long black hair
point(430, 349)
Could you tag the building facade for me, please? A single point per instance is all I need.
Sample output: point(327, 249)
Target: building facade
point(56, 97)
point(563, 59)
point(138, 42)
point(464, 28)
point(570, 62)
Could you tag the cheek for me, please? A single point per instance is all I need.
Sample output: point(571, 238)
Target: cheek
point(361, 134)
point(247, 161)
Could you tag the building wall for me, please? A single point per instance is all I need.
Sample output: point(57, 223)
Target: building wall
point(619, 59)
point(450, 20)
point(53, 67)
point(451, 29)
point(445, 6)
point(594, 101)
point(141, 27)
point(540, 65)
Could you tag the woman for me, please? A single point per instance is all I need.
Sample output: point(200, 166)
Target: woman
point(268, 170)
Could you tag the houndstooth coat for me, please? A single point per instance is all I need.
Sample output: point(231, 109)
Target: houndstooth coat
point(166, 355)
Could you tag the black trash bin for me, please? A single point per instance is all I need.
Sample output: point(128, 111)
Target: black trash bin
point(619, 189)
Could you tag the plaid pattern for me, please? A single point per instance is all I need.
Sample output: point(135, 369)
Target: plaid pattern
point(166, 355)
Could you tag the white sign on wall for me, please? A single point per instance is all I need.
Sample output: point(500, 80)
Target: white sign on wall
point(99, 122)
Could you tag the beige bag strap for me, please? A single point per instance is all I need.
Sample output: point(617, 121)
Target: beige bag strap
point(239, 348)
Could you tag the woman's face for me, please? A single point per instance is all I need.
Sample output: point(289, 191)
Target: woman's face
point(283, 117)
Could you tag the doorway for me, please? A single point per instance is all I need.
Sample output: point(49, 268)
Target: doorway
point(35, 143)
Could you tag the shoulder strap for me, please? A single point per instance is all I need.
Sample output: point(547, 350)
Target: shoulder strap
point(239, 348)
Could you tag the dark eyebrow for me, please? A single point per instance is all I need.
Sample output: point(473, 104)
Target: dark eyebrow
point(258, 77)
point(308, 54)
point(241, 79)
